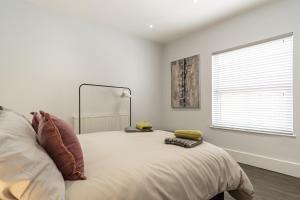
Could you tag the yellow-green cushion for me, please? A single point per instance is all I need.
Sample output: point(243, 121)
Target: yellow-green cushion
point(143, 125)
point(188, 134)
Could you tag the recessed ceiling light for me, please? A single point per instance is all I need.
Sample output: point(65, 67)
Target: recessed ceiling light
point(151, 26)
point(195, 1)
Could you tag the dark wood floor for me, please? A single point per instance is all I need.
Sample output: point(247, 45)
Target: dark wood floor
point(270, 185)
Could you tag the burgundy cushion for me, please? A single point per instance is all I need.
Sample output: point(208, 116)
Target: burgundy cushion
point(62, 145)
point(35, 121)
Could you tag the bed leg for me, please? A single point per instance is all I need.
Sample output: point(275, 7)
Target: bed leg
point(218, 197)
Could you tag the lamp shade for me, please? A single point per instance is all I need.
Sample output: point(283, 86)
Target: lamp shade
point(125, 94)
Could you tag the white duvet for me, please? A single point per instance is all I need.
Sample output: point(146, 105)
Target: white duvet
point(139, 166)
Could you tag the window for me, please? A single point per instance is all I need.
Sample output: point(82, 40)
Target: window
point(252, 87)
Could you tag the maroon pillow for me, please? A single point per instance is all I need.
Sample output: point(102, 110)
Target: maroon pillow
point(62, 145)
point(35, 121)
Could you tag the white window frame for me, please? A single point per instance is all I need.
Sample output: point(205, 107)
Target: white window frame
point(212, 81)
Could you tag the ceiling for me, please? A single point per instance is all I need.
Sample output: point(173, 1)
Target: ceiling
point(170, 19)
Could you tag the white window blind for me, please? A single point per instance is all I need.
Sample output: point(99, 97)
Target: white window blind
point(253, 87)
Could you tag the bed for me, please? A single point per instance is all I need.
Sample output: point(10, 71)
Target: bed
point(121, 165)
point(118, 166)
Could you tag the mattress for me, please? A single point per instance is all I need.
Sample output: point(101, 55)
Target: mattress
point(136, 166)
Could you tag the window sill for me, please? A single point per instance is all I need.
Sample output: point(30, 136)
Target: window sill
point(253, 131)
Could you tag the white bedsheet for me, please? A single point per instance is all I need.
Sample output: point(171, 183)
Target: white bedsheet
point(139, 166)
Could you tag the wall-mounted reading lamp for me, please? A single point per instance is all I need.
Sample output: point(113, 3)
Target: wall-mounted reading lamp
point(124, 94)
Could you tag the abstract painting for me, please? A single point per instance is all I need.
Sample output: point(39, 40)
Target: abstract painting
point(185, 91)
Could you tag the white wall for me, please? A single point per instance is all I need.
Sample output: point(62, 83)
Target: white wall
point(272, 152)
point(44, 56)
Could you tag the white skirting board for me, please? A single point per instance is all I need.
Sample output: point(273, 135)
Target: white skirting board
point(276, 165)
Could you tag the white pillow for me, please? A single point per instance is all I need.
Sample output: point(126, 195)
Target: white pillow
point(12, 191)
point(26, 171)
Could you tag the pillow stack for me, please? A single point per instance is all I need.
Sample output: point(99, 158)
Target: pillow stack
point(186, 138)
point(61, 144)
point(186, 143)
point(26, 171)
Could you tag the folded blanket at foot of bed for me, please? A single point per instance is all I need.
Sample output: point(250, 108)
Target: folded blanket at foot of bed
point(186, 143)
point(189, 134)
